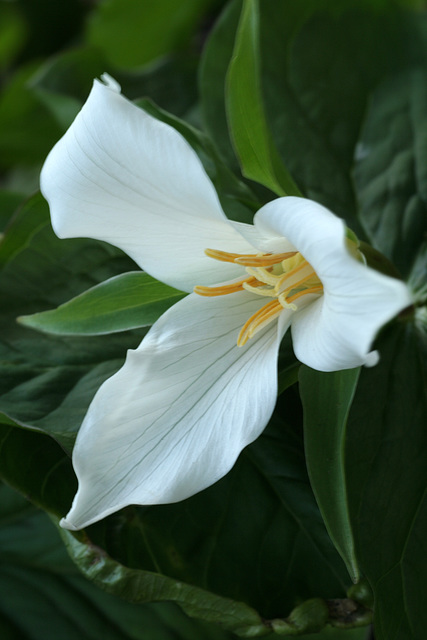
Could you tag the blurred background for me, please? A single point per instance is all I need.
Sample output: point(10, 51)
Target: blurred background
point(50, 52)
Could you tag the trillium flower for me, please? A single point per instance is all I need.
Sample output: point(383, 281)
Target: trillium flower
point(203, 383)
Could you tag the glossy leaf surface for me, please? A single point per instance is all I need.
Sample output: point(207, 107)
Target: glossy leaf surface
point(127, 301)
point(249, 130)
point(326, 399)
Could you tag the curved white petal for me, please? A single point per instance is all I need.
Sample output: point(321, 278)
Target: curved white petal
point(263, 238)
point(174, 419)
point(122, 176)
point(337, 330)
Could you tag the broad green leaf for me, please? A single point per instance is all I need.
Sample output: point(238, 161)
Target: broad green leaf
point(329, 633)
point(44, 597)
point(29, 219)
point(132, 34)
point(256, 536)
point(140, 586)
point(36, 466)
point(47, 382)
point(316, 92)
point(12, 34)
point(249, 130)
point(27, 129)
point(326, 399)
point(198, 541)
point(288, 366)
point(386, 465)
point(9, 202)
point(418, 283)
point(126, 301)
point(284, 557)
point(63, 108)
point(212, 72)
point(390, 170)
point(144, 586)
point(70, 73)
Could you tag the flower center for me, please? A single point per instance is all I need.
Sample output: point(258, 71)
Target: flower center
point(284, 277)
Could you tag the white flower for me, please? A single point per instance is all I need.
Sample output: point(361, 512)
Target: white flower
point(174, 419)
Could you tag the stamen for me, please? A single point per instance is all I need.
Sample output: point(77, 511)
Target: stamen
point(250, 259)
point(224, 289)
point(264, 275)
point(224, 256)
point(259, 320)
point(268, 291)
point(297, 284)
point(288, 279)
point(285, 304)
point(315, 289)
point(265, 260)
point(285, 277)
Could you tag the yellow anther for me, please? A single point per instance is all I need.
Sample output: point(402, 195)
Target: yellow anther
point(292, 278)
point(250, 259)
point(224, 256)
point(226, 288)
point(264, 260)
point(284, 277)
point(316, 289)
point(259, 320)
point(298, 283)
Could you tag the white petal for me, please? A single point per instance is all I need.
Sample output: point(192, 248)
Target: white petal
point(120, 175)
point(263, 238)
point(174, 419)
point(338, 329)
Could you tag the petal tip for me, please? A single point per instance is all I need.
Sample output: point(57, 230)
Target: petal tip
point(372, 359)
point(66, 524)
point(110, 83)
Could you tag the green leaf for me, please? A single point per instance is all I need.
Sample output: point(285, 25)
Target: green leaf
point(338, 634)
point(126, 301)
point(284, 556)
point(36, 466)
point(32, 216)
point(326, 399)
point(47, 382)
point(144, 586)
point(27, 129)
point(316, 92)
point(12, 34)
point(316, 122)
point(213, 66)
point(386, 460)
point(288, 366)
point(390, 170)
point(140, 586)
point(249, 130)
point(199, 541)
point(44, 597)
point(9, 202)
point(132, 34)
